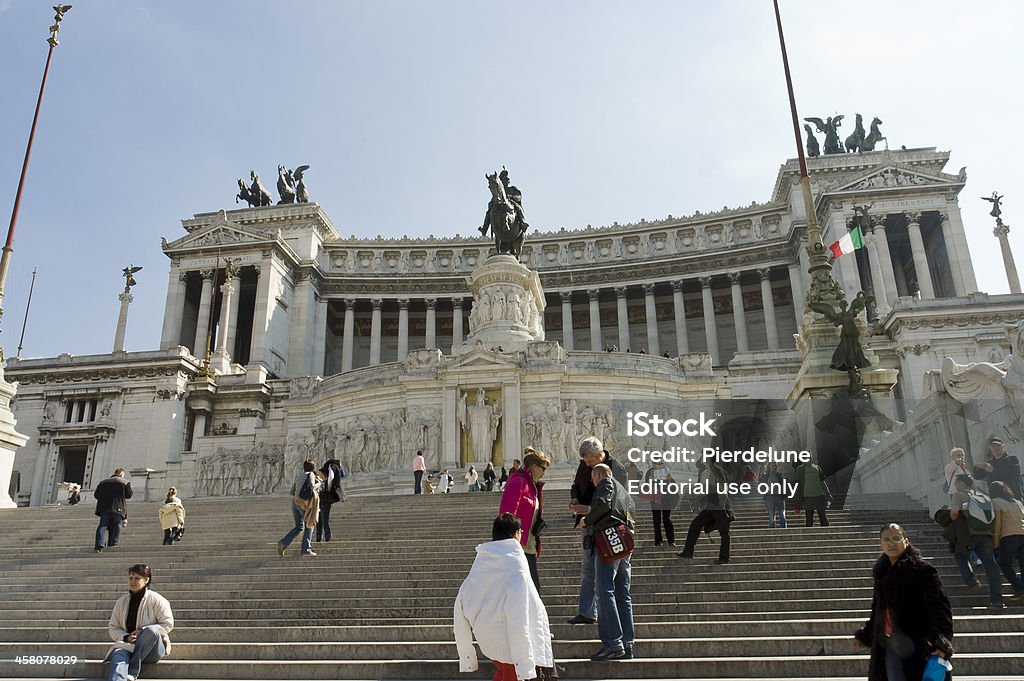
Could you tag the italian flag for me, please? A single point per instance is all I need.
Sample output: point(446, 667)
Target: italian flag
point(850, 242)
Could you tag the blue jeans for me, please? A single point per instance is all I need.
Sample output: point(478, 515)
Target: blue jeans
point(149, 647)
point(110, 523)
point(776, 505)
point(1011, 549)
point(614, 604)
point(300, 526)
point(983, 547)
point(588, 605)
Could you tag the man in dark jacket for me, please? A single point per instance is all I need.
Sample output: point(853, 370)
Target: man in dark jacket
point(112, 508)
point(609, 508)
point(716, 515)
point(1000, 467)
point(592, 453)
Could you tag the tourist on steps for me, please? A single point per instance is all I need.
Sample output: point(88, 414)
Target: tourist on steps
point(172, 517)
point(139, 625)
point(419, 465)
point(983, 541)
point(1009, 535)
point(662, 503)
point(503, 479)
point(305, 511)
point(716, 515)
point(609, 508)
point(592, 453)
point(522, 498)
point(112, 508)
point(813, 493)
point(472, 479)
point(775, 503)
point(498, 604)
point(911, 618)
point(489, 477)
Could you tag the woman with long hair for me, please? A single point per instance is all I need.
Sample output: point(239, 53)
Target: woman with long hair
point(172, 517)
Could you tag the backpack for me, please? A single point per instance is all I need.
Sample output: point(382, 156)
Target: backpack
point(980, 512)
point(306, 492)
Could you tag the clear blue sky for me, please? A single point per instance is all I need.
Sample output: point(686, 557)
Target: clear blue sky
point(603, 111)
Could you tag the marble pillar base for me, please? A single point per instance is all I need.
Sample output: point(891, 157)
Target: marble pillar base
point(10, 441)
point(508, 306)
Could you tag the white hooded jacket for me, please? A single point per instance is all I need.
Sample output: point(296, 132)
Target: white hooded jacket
point(500, 605)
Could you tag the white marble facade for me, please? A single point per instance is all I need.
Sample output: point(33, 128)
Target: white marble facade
point(362, 348)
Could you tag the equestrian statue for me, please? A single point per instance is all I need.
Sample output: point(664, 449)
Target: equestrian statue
point(504, 218)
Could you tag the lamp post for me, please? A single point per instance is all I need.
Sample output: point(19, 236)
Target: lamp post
point(5, 258)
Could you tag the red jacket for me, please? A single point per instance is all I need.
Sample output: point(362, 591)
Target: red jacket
point(522, 498)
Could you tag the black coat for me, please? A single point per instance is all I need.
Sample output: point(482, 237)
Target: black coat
point(1005, 469)
point(912, 590)
point(583, 486)
point(111, 495)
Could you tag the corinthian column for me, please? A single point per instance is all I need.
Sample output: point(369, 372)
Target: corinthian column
point(623, 316)
point(771, 328)
point(431, 330)
point(203, 321)
point(710, 331)
point(456, 321)
point(679, 308)
point(924, 275)
point(877, 280)
point(403, 328)
point(653, 346)
point(739, 317)
point(348, 334)
point(885, 261)
point(1001, 231)
point(375, 331)
point(567, 339)
point(595, 319)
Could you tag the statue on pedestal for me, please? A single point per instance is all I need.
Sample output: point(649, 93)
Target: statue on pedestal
point(481, 421)
point(849, 355)
point(504, 218)
point(996, 201)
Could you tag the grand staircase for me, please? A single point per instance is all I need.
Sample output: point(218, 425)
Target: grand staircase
point(377, 602)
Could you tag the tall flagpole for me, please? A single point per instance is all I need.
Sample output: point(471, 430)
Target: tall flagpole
point(5, 258)
point(823, 287)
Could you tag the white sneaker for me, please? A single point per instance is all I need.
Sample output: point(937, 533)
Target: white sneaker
point(131, 678)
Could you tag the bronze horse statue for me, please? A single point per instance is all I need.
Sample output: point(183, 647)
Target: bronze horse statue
point(855, 142)
point(504, 220)
point(873, 137)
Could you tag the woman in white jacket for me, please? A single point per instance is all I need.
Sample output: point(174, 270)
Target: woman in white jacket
point(172, 517)
point(500, 605)
point(139, 626)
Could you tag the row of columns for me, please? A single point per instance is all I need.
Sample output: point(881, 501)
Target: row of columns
point(430, 335)
point(679, 310)
point(882, 271)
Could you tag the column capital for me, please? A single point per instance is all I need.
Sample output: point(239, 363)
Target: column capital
point(913, 216)
point(649, 289)
point(257, 269)
point(594, 294)
point(566, 296)
point(431, 303)
point(705, 281)
point(1001, 230)
point(183, 277)
point(125, 297)
point(677, 285)
point(206, 274)
point(350, 303)
point(734, 278)
point(227, 287)
point(620, 291)
point(376, 303)
point(764, 273)
point(877, 222)
point(457, 303)
point(403, 303)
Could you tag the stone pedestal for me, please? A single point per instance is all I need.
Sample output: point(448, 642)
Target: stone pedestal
point(10, 441)
point(508, 306)
point(826, 413)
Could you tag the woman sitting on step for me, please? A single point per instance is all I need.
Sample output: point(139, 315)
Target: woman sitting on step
point(138, 626)
point(911, 619)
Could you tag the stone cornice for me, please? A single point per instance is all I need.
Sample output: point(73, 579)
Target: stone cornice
point(92, 369)
point(284, 217)
point(977, 309)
